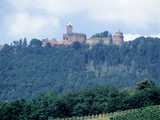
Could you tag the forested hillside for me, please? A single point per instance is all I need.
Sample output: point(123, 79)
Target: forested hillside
point(28, 70)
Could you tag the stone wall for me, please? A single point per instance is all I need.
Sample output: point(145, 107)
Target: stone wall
point(96, 40)
point(118, 38)
point(75, 37)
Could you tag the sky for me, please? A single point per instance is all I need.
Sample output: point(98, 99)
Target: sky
point(47, 18)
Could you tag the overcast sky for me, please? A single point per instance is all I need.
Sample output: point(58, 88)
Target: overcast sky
point(47, 18)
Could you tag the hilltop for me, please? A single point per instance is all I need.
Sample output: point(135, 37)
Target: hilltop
point(26, 70)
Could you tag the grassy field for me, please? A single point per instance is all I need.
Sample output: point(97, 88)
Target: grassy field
point(146, 113)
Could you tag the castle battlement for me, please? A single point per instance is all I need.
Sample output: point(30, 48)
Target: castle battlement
point(71, 37)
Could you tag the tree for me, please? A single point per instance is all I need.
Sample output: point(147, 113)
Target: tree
point(76, 45)
point(35, 43)
point(102, 34)
point(48, 45)
point(25, 42)
point(145, 84)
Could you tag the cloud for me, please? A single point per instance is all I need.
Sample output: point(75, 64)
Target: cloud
point(140, 13)
point(23, 24)
point(130, 37)
point(134, 15)
point(54, 7)
point(35, 17)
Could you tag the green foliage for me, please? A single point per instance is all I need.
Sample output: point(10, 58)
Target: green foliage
point(147, 113)
point(103, 34)
point(145, 84)
point(107, 99)
point(87, 102)
point(27, 71)
point(35, 43)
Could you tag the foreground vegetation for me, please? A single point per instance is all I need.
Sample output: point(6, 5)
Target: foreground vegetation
point(26, 70)
point(83, 103)
point(145, 113)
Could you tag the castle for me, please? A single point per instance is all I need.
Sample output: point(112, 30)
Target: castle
point(71, 37)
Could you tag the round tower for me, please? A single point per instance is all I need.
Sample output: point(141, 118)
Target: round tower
point(69, 28)
point(118, 38)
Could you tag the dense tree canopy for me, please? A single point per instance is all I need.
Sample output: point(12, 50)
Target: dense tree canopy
point(26, 70)
point(86, 102)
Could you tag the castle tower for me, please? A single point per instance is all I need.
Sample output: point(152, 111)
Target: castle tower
point(118, 38)
point(70, 37)
point(69, 28)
